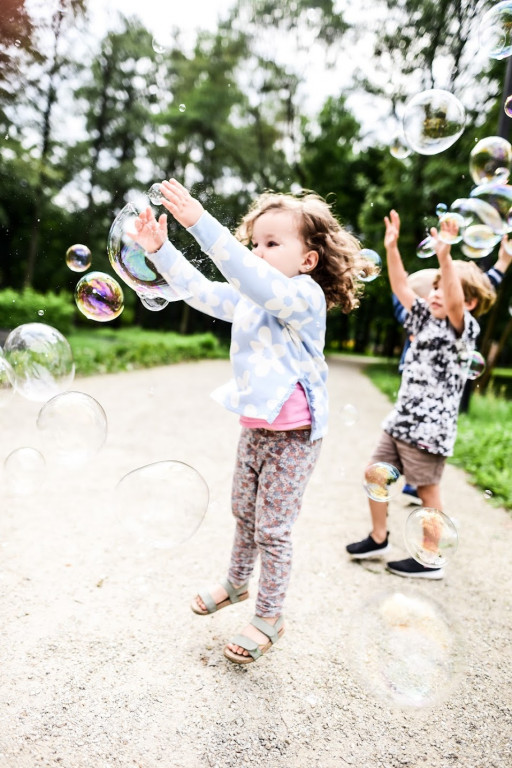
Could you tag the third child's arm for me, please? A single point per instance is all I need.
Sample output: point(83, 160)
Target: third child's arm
point(396, 271)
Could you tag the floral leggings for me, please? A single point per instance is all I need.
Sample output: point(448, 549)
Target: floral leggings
point(271, 473)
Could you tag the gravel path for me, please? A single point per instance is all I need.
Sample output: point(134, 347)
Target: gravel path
point(104, 665)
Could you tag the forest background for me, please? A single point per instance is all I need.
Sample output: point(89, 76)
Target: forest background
point(89, 120)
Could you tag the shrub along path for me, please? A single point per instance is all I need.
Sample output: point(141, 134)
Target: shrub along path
point(104, 664)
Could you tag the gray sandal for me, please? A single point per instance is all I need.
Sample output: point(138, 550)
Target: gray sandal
point(235, 595)
point(273, 632)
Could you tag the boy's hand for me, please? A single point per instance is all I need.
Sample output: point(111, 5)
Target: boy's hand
point(149, 233)
point(504, 254)
point(178, 201)
point(450, 228)
point(392, 229)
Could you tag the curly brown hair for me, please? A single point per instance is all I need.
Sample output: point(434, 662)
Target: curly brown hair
point(340, 263)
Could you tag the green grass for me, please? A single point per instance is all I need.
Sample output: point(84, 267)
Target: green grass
point(105, 350)
point(484, 436)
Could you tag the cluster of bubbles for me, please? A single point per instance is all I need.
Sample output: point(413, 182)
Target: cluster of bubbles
point(98, 296)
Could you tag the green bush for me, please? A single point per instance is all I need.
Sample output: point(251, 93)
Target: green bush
point(28, 306)
point(104, 350)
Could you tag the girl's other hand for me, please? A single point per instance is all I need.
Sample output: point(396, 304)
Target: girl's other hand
point(149, 233)
point(178, 201)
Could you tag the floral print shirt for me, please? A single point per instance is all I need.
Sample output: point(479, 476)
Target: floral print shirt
point(427, 407)
point(278, 324)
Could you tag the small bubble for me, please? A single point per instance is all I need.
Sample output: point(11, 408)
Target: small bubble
point(487, 494)
point(508, 106)
point(182, 107)
point(40, 312)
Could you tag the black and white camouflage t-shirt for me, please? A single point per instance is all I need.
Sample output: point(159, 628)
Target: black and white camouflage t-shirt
point(427, 406)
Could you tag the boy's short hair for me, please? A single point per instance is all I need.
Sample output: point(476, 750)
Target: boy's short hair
point(475, 284)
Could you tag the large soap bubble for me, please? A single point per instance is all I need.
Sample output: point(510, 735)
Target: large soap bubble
point(6, 381)
point(490, 160)
point(41, 360)
point(24, 471)
point(425, 249)
point(404, 649)
point(73, 426)
point(499, 196)
point(430, 537)
point(162, 504)
point(483, 226)
point(380, 481)
point(433, 121)
point(78, 257)
point(99, 297)
point(495, 31)
point(132, 263)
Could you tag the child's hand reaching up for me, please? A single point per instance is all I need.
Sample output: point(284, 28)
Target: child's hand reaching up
point(149, 233)
point(450, 229)
point(178, 201)
point(392, 229)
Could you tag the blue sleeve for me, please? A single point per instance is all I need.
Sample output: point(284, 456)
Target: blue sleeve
point(399, 310)
point(495, 276)
point(296, 300)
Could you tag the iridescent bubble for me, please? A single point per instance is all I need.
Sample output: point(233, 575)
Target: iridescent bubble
point(381, 481)
point(375, 265)
point(24, 470)
point(483, 226)
point(497, 195)
point(404, 649)
point(155, 194)
point(508, 106)
point(490, 160)
point(425, 249)
point(448, 236)
point(154, 303)
point(78, 257)
point(480, 237)
point(399, 149)
point(73, 426)
point(472, 363)
point(349, 415)
point(162, 504)
point(132, 263)
point(494, 32)
point(6, 381)
point(41, 359)
point(430, 536)
point(433, 121)
point(474, 253)
point(99, 297)
point(441, 208)
point(488, 494)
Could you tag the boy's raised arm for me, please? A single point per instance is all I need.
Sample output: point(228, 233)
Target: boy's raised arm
point(452, 286)
point(396, 271)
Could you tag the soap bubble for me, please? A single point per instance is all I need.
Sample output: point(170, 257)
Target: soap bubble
point(132, 263)
point(494, 32)
point(425, 249)
point(480, 237)
point(6, 381)
point(441, 208)
point(399, 149)
point(78, 257)
point(433, 121)
point(99, 297)
point(154, 303)
point(405, 650)
point(162, 504)
point(41, 359)
point(374, 258)
point(475, 253)
point(508, 106)
point(73, 426)
point(488, 494)
point(349, 415)
point(447, 236)
point(497, 195)
point(430, 536)
point(472, 362)
point(155, 194)
point(24, 471)
point(182, 107)
point(490, 160)
point(380, 481)
point(477, 211)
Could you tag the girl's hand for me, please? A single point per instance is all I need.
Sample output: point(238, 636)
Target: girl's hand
point(392, 229)
point(178, 201)
point(149, 233)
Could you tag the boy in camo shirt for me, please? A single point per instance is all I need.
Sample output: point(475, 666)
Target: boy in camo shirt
point(420, 431)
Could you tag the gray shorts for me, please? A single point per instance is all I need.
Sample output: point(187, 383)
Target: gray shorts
point(419, 467)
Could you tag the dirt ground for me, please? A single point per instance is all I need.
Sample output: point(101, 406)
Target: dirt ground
point(103, 664)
